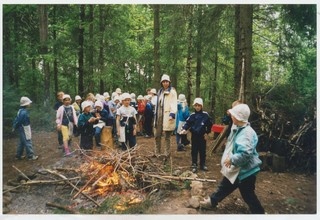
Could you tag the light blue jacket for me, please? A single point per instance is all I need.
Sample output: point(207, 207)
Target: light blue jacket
point(245, 154)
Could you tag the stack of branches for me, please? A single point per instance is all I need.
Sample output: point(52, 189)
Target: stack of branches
point(105, 173)
point(278, 134)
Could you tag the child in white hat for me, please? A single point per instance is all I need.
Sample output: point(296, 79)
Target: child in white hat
point(199, 123)
point(22, 125)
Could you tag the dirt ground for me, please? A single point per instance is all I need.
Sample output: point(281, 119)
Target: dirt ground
point(279, 193)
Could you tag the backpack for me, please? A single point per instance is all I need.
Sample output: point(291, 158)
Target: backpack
point(16, 122)
point(141, 107)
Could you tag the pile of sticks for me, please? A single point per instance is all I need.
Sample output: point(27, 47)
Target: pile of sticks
point(104, 173)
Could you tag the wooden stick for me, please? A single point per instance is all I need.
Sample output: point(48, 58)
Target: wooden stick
point(71, 184)
point(93, 176)
point(24, 175)
point(48, 181)
point(219, 139)
point(62, 207)
point(181, 178)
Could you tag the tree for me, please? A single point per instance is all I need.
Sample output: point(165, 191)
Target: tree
point(43, 17)
point(243, 52)
point(81, 88)
point(156, 50)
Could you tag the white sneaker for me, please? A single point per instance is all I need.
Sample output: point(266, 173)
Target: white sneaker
point(206, 204)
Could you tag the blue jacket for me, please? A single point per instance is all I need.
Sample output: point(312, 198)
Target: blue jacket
point(245, 154)
point(199, 123)
point(22, 118)
point(182, 114)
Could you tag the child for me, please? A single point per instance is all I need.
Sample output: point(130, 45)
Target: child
point(85, 125)
point(182, 115)
point(103, 115)
point(141, 108)
point(66, 118)
point(22, 124)
point(56, 107)
point(126, 122)
point(240, 162)
point(148, 117)
point(77, 104)
point(199, 124)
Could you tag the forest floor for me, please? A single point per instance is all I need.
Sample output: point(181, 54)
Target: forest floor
point(279, 193)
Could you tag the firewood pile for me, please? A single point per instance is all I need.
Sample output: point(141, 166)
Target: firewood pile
point(277, 134)
point(103, 174)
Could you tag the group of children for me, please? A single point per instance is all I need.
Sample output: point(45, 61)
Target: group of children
point(240, 162)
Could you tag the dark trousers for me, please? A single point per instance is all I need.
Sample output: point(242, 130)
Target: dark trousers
point(129, 138)
point(148, 125)
point(198, 147)
point(86, 142)
point(246, 187)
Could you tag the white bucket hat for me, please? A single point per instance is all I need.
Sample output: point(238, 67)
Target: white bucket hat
point(118, 90)
point(125, 96)
point(98, 103)
point(165, 77)
point(241, 112)
point(153, 91)
point(66, 96)
point(140, 97)
point(182, 98)
point(106, 95)
point(24, 101)
point(198, 101)
point(77, 98)
point(85, 104)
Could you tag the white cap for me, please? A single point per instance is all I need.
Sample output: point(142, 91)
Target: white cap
point(77, 98)
point(182, 98)
point(165, 77)
point(85, 104)
point(106, 95)
point(66, 96)
point(98, 103)
point(133, 96)
point(118, 90)
point(241, 112)
point(140, 97)
point(24, 101)
point(198, 101)
point(147, 97)
point(153, 91)
point(125, 96)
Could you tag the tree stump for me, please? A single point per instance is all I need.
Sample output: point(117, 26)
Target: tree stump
point(106, 138)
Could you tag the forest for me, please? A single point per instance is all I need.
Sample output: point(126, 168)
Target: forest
point(262, 54)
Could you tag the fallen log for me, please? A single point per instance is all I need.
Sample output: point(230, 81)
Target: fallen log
point(180, 178)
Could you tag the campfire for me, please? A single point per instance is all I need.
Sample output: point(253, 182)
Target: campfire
point(106, 174)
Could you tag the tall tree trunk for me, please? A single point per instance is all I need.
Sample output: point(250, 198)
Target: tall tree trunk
point(101, 46)
point(237, 52)
point(91, 86)
point(80, 50)
point(156, 50)
point(199, 51)
point(189, 55)
point(55, 61)
point(243, 46)
point(43, 28)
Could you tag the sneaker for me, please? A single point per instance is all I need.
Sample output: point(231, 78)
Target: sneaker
point(206, 204)
point(204, 168)
point(34, 157)
point(181, 147)
point(69, 154)
point(20, 158)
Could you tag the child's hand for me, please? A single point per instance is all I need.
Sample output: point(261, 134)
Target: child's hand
point(183, 131)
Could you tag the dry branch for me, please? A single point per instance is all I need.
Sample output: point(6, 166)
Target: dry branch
point(71, 184)
point(62, 207)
